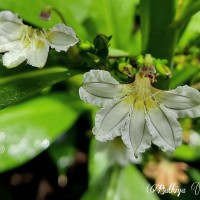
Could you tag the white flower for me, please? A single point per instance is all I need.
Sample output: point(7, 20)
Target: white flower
point(116, 153)
point(21, 42)
point(194, 138)
point(138, 112)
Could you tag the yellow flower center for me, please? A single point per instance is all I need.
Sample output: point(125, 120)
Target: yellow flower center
point(35, 36)
point(140, 93)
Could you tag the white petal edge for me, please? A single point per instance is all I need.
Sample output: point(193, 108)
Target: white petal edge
point(110, 120)
point(11, 28)
point(99, 76)
point(62, 37)
point(14, 58)
point(9, 16)
point(117, 153)
point(94, 100)
point(165, 129)
point(184, 100)
point(10, 46)
point(99, 88)
point(135, 135)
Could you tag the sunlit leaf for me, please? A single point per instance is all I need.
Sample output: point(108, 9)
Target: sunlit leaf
point(28, 128)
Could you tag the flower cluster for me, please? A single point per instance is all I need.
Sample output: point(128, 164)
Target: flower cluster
point(137, 111)
point(21, 42)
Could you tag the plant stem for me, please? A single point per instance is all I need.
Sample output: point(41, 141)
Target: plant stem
point(158, 37)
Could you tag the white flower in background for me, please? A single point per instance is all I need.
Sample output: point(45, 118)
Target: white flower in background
point(21, 42)
point(194, 138)
point(138, 112)
point(116, 152)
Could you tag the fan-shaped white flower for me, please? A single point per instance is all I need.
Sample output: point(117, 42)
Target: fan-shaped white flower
point(21, 42)
point(138, 112)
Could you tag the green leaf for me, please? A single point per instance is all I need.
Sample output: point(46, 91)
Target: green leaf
point(14, 88)
point(133, 185)
point(118, 52)
point(182, 76)
point(115, 17)
point(120, 183)
point(158, 38)
point(186, 153)
point(194, 174)
point(28, 128)
point(98, 161)
point(191, 30)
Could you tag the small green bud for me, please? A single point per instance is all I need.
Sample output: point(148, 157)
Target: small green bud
point(140, 60)
point(148, 60)
point(126, 69)
point(163, 70)
point(86, 46)
point(101, 41)
point(45, 14)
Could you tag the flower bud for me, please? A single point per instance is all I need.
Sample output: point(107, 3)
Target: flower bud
point(101, 43)
point(163, 70)
point(126, 69)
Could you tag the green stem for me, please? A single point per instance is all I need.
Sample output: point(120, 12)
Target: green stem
point(48, 9)
point(158, 38)
point(59, 14)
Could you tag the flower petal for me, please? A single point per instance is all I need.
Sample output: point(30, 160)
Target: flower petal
point(62, 37)
point(110, 120)
point(10, 46)
point(11, 29)
point(14, 58)
point(184, 100)
point(38, 53)
point(9, 16)
point(135, 134)
point(164, 128)
point(99, 88)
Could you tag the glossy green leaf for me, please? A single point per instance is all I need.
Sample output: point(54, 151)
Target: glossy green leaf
point(28, 128)
point(14, 88)
point(120, 183)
